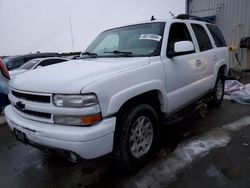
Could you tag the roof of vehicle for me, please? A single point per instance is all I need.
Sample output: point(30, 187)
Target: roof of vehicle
point(181, 17)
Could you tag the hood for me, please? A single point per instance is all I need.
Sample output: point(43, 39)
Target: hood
point(71, 76)
point(14, 73)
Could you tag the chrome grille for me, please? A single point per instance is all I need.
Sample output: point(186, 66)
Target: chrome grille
point(31, 97)
point(27, 104)
point(34, 113)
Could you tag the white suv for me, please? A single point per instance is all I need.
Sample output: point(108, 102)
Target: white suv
point(114, 98)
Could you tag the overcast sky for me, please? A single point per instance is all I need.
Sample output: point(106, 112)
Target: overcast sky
point(43, 25)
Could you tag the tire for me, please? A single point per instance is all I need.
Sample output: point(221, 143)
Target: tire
point(218, 91)
point(136, 137)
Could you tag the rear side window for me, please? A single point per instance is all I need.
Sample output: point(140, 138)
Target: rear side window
point(202, 37)
point(217, 35)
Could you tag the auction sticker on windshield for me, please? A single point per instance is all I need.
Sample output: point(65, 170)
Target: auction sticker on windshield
point(150, 37)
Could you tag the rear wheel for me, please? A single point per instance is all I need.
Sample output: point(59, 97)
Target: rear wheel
point(136, 137)
point(218, 91)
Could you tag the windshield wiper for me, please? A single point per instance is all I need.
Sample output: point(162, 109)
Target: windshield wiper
point(126, 54)
point(89, 54)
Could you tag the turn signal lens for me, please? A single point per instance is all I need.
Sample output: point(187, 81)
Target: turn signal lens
point(92, 119)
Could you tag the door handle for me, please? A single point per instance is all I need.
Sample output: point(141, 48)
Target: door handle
point(198, 63)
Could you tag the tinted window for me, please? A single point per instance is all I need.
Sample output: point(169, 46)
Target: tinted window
point(178, 32)
point(28, 65)
point(26, 59)
point(202, 37)
point(17, 63)
point(217, 36)
point(50, 62)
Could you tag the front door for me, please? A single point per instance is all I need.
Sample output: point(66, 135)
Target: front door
point(184, 73)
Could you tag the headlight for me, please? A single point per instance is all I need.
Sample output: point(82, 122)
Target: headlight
point(75, 100)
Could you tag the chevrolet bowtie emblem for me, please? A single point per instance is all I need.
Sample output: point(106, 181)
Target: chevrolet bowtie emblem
point(20, 105)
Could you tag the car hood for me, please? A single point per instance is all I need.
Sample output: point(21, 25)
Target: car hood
point(14, 73)
point(71, 76)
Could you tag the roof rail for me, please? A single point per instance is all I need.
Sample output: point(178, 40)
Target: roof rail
point(191, 17)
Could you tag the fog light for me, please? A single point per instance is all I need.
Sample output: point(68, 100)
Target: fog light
point(72, 157)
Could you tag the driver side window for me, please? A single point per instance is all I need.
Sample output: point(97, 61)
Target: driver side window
point(178, 32)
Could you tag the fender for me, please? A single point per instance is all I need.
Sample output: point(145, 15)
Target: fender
point(117, 100)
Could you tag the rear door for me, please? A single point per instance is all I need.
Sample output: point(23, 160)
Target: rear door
point(207, 52)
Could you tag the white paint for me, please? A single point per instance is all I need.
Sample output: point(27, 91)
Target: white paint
point(183, 46)
point(164, 172)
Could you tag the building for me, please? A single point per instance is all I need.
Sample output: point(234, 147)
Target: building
point(233, 19)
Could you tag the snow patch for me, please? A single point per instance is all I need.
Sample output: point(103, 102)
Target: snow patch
point(237, 125)
point(162, 173)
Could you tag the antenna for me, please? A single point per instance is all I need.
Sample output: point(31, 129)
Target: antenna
point(152, 18)
point(171, 14)
point(72, 40)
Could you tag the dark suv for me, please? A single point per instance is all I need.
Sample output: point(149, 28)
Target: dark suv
point(14, 62)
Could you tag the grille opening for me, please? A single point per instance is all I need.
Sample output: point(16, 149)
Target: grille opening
point(33, 113)
point(31, 97)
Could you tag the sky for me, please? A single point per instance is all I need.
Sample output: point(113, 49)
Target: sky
point(44, 25)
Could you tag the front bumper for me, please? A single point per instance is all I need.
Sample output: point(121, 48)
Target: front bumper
point(87, 142)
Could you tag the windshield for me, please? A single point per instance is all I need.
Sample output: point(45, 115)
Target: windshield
point(29, 64)
point(7, 59)
point(135, 40)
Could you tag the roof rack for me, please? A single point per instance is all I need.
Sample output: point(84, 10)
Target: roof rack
point(191, 17)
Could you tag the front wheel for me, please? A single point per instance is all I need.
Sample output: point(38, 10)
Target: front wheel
point(218, 91)
point(136, 137)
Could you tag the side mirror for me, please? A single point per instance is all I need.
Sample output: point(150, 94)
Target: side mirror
point(182, 48)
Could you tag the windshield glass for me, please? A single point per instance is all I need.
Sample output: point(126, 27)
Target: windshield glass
point(137, 40)
point(29, 64)
point(7, 59)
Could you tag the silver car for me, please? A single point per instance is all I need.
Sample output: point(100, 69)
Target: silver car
point(36, 63)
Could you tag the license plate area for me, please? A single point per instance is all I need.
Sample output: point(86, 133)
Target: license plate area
point(20, 136)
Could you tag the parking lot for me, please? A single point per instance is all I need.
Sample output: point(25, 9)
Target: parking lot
point(196, 152)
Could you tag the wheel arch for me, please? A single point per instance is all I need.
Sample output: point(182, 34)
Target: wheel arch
point(151, 92)
point(222, 68)
point(154, 98)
